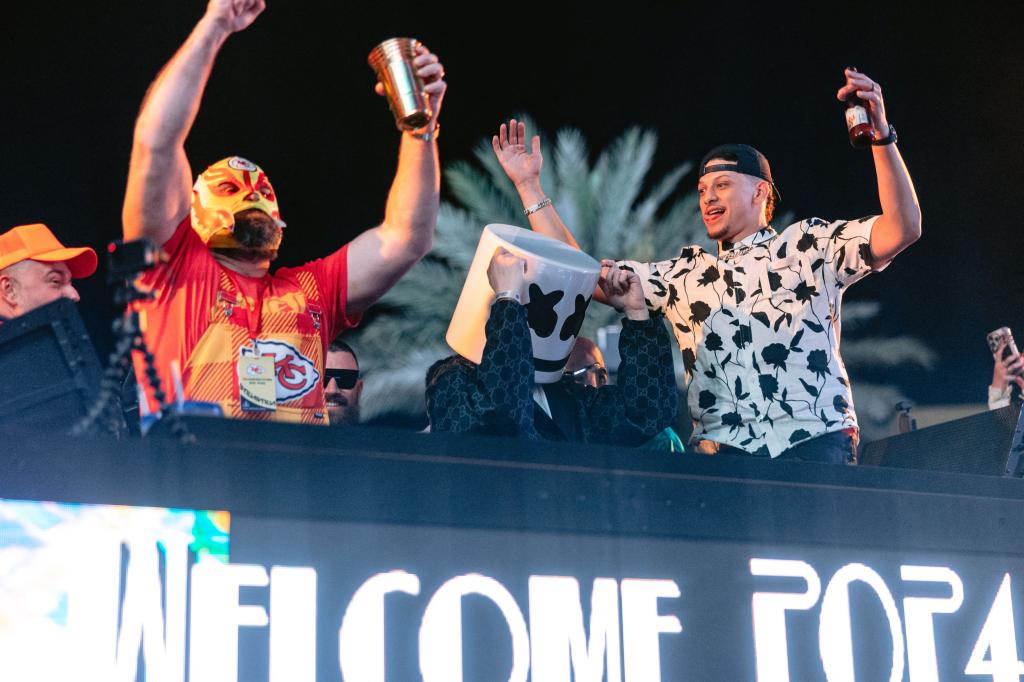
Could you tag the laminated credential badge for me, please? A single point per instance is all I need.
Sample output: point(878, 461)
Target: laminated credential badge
point(256, 384)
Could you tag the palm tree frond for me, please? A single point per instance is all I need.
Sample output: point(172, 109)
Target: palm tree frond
point(478, 194)
point(626, 165)
point(456, 236)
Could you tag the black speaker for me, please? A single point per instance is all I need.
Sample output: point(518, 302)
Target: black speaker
point(979, 444)
point(49, 372)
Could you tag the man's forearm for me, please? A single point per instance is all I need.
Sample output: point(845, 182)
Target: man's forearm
point(546, 221)
point(411, 211)
point(159, 177)
point(172, 102)
point(379, 257)
point(645, 348)
point(900, 224)
point(506, 365)
point(626, 414)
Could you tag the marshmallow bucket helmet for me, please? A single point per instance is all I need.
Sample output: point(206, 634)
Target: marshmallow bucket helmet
point(231, 185)
point(557, 288)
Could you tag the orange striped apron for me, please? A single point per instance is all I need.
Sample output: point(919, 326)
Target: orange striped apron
point(286, 327)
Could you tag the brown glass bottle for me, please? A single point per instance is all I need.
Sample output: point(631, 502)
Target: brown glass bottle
point(858, 123)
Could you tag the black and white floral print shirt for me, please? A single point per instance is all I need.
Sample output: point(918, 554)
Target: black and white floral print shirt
point(758, 327)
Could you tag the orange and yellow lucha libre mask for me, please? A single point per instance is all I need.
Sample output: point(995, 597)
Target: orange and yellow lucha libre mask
point(225, 188)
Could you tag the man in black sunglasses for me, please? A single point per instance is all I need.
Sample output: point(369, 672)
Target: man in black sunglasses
point(342, 384)
point(586, 364)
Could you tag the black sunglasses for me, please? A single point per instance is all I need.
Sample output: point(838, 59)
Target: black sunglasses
point(346, 378)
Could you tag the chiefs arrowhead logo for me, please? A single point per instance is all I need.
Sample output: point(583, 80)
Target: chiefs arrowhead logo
point(240, 164)
point(295, 374)
point(254, 370)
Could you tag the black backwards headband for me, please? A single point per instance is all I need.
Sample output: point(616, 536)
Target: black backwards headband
point(748, 161)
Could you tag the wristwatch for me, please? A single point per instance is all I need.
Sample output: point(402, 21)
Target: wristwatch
point(888, 139)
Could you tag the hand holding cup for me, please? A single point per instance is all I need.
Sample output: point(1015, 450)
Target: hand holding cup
point(412, 78)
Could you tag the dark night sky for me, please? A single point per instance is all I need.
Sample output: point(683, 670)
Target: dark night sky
point(293, 93)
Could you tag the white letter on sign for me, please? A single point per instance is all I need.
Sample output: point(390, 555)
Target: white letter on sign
point(556, 630)
point(441, 630)
point(92, 607)
point(770, 614)
point(217, 615)
point(641, 626)
point(292, 624)
point(834, 637)
point(918, 611)
point(142, 617)
point(999, 638)
point(361, 637)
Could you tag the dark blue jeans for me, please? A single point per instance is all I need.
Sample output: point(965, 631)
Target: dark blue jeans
point(837, 447)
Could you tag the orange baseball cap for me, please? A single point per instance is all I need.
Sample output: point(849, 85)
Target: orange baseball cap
point(36, 242)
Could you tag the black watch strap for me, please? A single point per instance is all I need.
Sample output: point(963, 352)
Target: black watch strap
point(888, 139)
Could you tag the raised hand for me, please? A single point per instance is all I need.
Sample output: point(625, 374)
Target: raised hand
point(1007, 370)
point(234, 15)
point(871, 93)
point(522, 165)
point(623, 291)
point(506, 271)
point(430, 70)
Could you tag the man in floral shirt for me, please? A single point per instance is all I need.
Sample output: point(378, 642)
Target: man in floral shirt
point(758, 323)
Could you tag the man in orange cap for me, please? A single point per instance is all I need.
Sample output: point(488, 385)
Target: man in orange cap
point(222, 328)
point(36, 269)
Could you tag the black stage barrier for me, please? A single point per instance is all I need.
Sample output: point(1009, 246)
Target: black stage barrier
point(368, 555)
point(979, 444)
point(49, 372)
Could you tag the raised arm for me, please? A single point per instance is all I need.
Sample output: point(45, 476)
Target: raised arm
point(900, 223)
point(380, 256)
point(494, 397)
point(522, 166)
point(159, 177)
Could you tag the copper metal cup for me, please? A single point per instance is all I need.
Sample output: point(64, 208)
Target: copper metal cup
point(392, 62)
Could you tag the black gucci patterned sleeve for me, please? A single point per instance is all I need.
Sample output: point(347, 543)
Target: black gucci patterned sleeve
point(643, 401)
point(495, 397)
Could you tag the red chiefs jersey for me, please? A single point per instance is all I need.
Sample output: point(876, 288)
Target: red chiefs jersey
point(205, 317)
